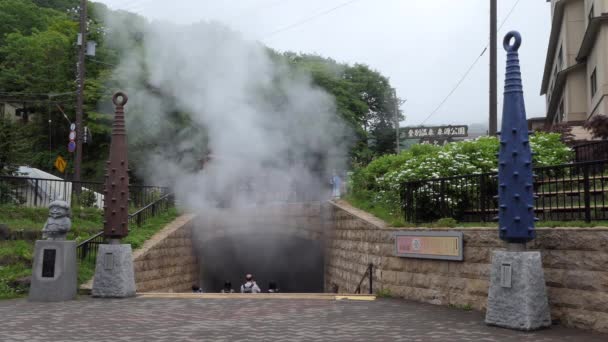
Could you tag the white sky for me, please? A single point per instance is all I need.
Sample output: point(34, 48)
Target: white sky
point(423, 46)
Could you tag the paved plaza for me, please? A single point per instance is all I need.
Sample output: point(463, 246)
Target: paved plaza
point(183, 319)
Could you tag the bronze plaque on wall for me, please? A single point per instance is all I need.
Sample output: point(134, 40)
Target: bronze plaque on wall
point(429, 245)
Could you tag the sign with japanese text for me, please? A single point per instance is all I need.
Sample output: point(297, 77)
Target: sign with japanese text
point(435, 132)
point(429, 245)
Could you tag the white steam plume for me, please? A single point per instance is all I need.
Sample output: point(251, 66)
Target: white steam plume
point(263, 123)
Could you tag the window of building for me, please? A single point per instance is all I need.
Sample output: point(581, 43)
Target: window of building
point(590, 15)
point(560, 112)
point(560, 59)
point(593, 81)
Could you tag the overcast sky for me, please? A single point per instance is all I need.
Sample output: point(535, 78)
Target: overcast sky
point(423, 46)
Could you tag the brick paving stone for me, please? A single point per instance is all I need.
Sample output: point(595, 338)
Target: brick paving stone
point(178, 319)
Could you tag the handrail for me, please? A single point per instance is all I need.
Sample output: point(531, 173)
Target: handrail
point(368, 273)
point(83, 249)
point(150, 205)
point(89, 239)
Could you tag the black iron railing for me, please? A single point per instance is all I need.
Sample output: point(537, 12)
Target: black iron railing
point(597, 150)
point(369, 274)
point(569, 192)
point(40, 192)
point(87, 249)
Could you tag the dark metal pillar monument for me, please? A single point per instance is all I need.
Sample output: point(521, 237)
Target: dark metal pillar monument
point(114, 276)
point(116, 193)
point(517, 297)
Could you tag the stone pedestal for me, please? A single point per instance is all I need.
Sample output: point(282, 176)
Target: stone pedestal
point(517, 298)
point(114, 276)
point(54, 272)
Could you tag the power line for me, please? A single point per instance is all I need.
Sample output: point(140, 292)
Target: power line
point(258, 8)
point(464, 76)
point(306, 20)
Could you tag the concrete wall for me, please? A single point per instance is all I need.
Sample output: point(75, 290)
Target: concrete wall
point(166, 262)
point(575, 262)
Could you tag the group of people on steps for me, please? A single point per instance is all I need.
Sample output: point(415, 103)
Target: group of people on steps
point(249, 286)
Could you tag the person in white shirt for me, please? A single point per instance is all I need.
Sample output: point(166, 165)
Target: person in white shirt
point(250, 286)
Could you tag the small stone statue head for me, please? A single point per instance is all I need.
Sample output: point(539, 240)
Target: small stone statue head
point(58, 224)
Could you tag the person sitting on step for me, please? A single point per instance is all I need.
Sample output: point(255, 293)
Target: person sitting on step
point(250, 286)
point(272, 287)
point(227, 287)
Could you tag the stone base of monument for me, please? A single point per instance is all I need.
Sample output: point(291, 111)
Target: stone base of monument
point(517, 298)
point(54, 272)
point(114, 277)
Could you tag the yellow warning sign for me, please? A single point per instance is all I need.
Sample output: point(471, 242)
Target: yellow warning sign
point(60, 164)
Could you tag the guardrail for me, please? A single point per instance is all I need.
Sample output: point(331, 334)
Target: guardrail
point(568, 192)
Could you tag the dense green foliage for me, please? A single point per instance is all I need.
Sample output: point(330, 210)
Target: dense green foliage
point(377, 185)
point(38, 67)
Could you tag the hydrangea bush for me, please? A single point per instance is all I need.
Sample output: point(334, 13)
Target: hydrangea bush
point(381, 180)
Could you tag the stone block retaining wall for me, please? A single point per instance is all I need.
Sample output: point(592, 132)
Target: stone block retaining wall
point(575, 264)
point(167, 262)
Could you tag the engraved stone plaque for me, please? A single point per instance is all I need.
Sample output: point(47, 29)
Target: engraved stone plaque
point(108, 261)
point(505, 275)
point(48, 263)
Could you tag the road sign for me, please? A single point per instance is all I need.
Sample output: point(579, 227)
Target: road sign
point(72, 135)
point(72, 127)
point(60, 164)
point(71, 146)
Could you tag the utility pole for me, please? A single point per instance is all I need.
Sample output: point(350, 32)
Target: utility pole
point(397, 147)
point(80, 90)
point(493, 123)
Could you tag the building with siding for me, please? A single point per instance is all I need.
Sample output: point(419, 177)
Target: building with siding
point(575, 79)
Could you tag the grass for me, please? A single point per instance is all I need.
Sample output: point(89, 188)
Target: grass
point(16, 256)
point(393, 220)
point(85, 221)
point(384, 293)
point(466, 307)
point(139, 235)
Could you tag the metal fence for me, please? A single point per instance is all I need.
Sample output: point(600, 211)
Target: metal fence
point(40, 192)
point(87, 250)
point(569, 192)
point(597, 150)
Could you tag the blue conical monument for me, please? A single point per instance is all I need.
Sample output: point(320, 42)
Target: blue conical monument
point(517, 298)
point(515, 194)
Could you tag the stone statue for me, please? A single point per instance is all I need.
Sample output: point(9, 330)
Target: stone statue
point(58, 224)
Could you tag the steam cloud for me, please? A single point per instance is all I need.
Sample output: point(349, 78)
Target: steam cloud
point(264, 124)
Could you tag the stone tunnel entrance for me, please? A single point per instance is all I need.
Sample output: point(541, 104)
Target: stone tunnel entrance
point(295, 264)
point(283, 244)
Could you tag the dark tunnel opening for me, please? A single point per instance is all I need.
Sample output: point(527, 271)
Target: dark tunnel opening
point(294, 263)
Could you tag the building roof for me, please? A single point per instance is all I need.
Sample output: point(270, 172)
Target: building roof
point(32, 172)
point(560, 81)
point(590, 35)
point(558, 15)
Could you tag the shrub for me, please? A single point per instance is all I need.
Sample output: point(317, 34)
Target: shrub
point(598, 125)
point(86, 199)
point(379, 183)
point(384, 293)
